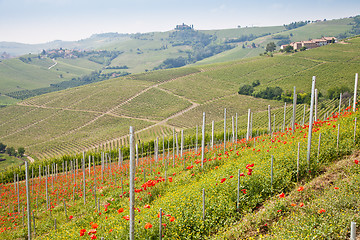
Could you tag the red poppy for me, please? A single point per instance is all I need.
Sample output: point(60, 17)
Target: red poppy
point(94, 225)
point(356, 161)
point(300, 189)
point(120, 210)
point(93, 237)
point(322, 210)
point(147, 206)
point(148, 225)
point(293, 204)
point(172, 219)
point(244, 191)
point(282, 195)
point(301, 204)
point(92, 231)
point(170, 179)
point(336, 188)
point(126, 217)
point(82, 232)
point(223, 180)
point(71, 217)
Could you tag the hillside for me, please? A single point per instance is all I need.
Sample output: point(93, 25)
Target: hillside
point(97, 115)
point(140, 53)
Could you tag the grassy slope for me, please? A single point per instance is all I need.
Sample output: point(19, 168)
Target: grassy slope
point(335, 191)
point(99, 107)
point(10, 161)
point(310, 31)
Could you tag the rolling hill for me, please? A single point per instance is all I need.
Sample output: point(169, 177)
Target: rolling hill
point(98, 115)
point(140, 53)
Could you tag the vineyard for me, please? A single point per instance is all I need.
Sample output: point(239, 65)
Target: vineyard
point(96, 116)
point(88, 194)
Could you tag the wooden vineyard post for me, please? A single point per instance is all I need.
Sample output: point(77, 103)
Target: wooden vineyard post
point(353, 231)
point(131, 183)
point(203, 197)
point(355, 92)
point(310, 121)
point(269, 123)
point(84, 183)
point(160, 224)
point(196, 139)
point(284, 122)
point(203, 141)
point(340, 102)
point(315, 105)
point(251, 124)
point(224, 130)
point(236, 127)
point(238, 192)
point(182, 143)
point(297, 163)
point(272, 172)
point(248, 125)
point(294, 111)
point(233, 129)
point(212, 134)
point(337, 138)
point(28, 209)
point(173, 145)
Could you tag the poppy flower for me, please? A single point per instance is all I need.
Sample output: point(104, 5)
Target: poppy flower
point(300, 189)
point(249, 173)
point(147, 206)
point(148, 225)
point(94, 225)
point(170, 179)
point(71, 217)
point(92, 231)
point(301, 204)
point(242, 175)
point(282, 195)
point(293, 204)
point(336, 188)
point(322, 210)
point(356, 161)
point(223, 180)
point(172, 219)
point(120, 210)
point(93, 236)
point(82, 232)
point(126, 217)
point(279, 210)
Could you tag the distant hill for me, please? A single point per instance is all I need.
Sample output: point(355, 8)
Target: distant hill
point(20, 78)
point(155, 102)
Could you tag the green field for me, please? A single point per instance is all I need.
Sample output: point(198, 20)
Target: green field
point(9, 162)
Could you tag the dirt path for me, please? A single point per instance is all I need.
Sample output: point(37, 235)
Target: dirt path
point(55, 63)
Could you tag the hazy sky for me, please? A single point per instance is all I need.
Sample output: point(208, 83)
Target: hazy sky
point(38, 21)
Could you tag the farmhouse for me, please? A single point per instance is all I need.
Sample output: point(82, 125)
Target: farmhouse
point(314, 43)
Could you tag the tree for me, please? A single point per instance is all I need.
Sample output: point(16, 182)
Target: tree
point(10, 151)
point(303, 48)
point(246, 90)
point(255, 83)
point(21, 151)
point(270, 47)
point(2, 147)
point(288, 48)
point(253, 45)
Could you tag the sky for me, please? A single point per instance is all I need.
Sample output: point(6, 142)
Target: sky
point(40, 21)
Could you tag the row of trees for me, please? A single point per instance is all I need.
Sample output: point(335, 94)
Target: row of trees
point(11, 150)
point(277, 93)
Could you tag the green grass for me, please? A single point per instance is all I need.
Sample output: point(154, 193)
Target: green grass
point(10, 161)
